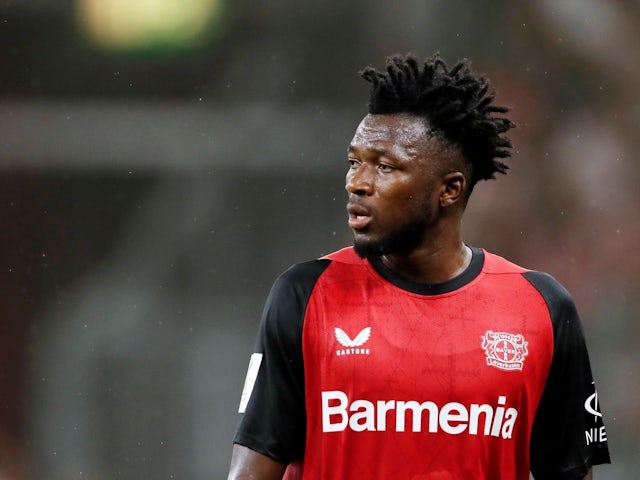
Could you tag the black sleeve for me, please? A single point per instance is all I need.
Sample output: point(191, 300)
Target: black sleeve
point(568, 435)
point(272, 420)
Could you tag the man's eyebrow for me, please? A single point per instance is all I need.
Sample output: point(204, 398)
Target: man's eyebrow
point(379, 151)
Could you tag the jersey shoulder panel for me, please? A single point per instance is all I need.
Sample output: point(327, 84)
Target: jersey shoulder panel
point(497, 264)
point(558, 299)
point(295, 285)
point(285, 306)
point(345, 255)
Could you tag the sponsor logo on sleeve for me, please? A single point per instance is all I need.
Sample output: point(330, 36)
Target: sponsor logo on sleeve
point(505, 351)
point(597, 433)
point(355, 346)
point(250, 380)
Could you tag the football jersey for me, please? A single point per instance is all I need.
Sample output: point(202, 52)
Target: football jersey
point(360, 373)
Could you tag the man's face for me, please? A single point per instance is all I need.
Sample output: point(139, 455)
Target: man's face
point(394, 183)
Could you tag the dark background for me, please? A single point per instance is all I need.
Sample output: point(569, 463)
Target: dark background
point(158, 169)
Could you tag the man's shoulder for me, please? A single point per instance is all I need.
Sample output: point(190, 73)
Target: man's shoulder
point(496, 264)
point(345, 255)
point(545, 283)
point(303, 273)
point(312, 267)
point(307, 273)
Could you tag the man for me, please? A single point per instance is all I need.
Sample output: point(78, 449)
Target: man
point(413, 355)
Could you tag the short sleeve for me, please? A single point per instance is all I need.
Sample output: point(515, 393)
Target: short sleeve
point(272, 409)
point(568, 435)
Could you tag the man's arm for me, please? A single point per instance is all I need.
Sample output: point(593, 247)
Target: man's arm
point(247, 464)
point(272, 408)
point(568, 415)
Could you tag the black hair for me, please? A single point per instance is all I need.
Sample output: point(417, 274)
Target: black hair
point(456, 102)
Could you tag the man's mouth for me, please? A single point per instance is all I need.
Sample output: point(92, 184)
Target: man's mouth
point(358, 222)
point(359, 216)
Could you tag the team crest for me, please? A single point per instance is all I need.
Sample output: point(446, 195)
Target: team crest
point(355, 346)
point(505, 351)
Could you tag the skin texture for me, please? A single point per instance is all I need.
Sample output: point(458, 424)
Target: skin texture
point(249, 465)
point(402, 178)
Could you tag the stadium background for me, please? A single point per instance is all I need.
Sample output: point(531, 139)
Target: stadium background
point(161, 161)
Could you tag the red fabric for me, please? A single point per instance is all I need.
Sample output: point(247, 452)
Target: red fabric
point(424, 349)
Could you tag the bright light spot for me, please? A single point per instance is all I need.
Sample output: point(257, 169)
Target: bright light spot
point(140, 24)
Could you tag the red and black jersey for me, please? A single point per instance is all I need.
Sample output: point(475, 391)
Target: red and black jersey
point(359, 373)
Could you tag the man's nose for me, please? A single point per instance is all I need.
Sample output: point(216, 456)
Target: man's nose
point(359, 181)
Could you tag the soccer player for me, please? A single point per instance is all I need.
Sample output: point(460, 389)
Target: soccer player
point(412, 355)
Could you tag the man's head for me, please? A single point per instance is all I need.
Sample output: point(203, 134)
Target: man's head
point(430, 135)
point(456, 103)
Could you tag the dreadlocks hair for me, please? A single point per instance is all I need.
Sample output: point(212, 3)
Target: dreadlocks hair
point(454, 101)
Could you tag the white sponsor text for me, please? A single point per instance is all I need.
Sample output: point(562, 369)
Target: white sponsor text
point(454, 418)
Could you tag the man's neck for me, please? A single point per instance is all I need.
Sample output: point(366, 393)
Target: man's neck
point(431, 264)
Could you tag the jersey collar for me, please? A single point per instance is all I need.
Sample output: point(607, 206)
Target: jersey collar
point(470, 273)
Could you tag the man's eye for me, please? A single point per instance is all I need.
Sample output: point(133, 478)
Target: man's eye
point(352, 163)
point(385, 168)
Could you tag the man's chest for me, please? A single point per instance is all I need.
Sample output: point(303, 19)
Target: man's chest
point(475, 346)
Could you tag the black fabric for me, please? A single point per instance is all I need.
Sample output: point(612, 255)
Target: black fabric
point(470, 273)
point(278, 431)
point(559, 447)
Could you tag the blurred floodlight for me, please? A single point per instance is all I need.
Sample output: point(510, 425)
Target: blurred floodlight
point(138, 25)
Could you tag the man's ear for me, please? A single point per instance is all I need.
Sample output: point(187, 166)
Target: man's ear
point(454, 187)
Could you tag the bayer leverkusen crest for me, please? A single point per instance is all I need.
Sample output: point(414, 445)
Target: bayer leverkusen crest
point(505, 351)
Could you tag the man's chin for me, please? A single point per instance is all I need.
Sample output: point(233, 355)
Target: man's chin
point(368, 249)
point(402, 240)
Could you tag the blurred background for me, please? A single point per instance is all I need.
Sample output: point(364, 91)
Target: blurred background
point(162, 161)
